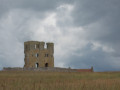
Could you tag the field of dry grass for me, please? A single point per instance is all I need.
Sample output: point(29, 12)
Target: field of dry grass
point(30, 80)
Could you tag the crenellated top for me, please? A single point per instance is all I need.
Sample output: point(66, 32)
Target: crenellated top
point(30, 45)
point(50, 47)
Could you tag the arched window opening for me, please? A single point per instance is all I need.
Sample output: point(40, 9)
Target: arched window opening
point(37, 65)
point(46, 64)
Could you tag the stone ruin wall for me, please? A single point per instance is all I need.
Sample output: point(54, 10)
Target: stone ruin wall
point(54, 69)
point(36, 55)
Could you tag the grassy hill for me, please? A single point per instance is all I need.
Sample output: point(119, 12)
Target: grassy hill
point(31, 80)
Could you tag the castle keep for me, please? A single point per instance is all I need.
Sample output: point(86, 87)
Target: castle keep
point(36, 55)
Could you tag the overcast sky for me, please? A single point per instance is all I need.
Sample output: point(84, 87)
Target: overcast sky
point(85, 32)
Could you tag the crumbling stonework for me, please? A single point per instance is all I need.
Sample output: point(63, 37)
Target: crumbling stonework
point(51, 69)
point(37, 56)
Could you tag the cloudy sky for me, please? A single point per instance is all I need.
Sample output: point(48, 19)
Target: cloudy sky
point(85, 32)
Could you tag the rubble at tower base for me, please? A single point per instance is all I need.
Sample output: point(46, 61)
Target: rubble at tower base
point(51, 69)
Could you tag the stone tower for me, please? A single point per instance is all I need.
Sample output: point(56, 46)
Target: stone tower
point(37, 56)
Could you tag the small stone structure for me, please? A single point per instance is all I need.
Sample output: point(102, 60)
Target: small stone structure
point(85, 70)
point(36, 55)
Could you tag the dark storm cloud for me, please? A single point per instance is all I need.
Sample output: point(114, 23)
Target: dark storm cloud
point(37, 5)
point(90, 11)
point(101, 17)
point(100, 20)
point(85, 32)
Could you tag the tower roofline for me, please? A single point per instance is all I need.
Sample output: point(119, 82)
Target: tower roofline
point(39, 42)
point(49, 43)
point(34, 41)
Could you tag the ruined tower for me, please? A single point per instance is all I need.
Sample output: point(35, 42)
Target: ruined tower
point(37, 56)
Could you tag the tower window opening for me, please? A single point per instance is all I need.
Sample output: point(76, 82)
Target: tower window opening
point(46, 55)
point(36, 54)
point(37, 65)
point(35, 46)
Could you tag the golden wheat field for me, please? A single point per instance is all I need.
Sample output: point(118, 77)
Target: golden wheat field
point(32, 80)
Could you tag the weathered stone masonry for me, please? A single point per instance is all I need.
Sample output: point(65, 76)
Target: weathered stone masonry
point(36, 55)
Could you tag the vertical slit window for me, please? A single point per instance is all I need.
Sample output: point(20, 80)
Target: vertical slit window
point(35, 46)
point(37, 55)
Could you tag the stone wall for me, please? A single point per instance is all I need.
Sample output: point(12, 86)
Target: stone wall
point(54, 69)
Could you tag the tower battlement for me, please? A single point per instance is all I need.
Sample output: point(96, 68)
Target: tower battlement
point(31, 45)
point(36, 55)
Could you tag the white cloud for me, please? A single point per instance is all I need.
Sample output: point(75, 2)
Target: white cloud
point(83, 36)
point(105, 48)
